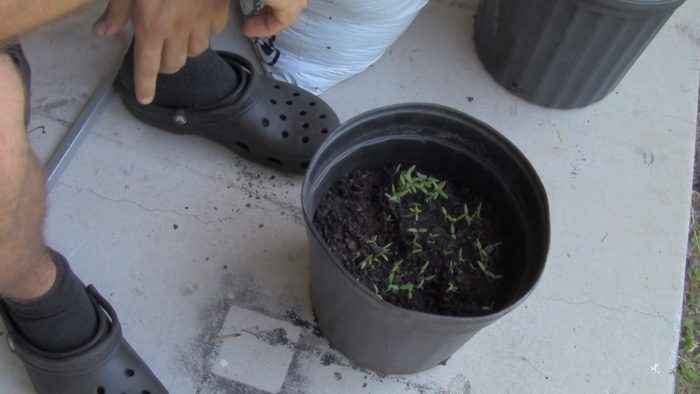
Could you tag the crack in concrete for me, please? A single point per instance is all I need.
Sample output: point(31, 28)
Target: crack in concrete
point(613, 309)
point(295, 213)
point(133, 203)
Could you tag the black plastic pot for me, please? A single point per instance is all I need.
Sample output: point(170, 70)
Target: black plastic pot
point(373, 333)
point(565, 53)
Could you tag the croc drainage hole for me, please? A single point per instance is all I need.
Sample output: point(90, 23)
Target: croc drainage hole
point(305, 126)
point(242, 146)
point(274, 160)
point(322, 116)
point(145, 392)
point(273, 101)
point(305, 139)
point(283, 117)
point(101, 390)
point(266, 122)
point(285, 134)
point(302, 113)
point(129, 372)
point(324, 131)
point(276, 86)
point(295, 94)
point(289, 102)
point(312, 104)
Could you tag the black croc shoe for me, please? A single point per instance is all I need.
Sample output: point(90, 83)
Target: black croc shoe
point(267, 121)
point(106, 364)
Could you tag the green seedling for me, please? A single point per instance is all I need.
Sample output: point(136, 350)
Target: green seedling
point(409, 288)
point(395, 268)
point(453, 231)
point(469, 218)
point(415, 211)
point(492, 275)
point(451, 288)
point(438, 190)
point(425, 280)
point(432, 237)
point(449, 218)
point(451, 267)
point(376, 291)
point(388, 218)
point(485, 252)
point(412, 181)
point(392, 274)
point(367, 261)
point(460, 256)
point(395, 195)
point(385, 252)
point(486, 271)
point(482, 266)
point(424, 267)
point(417, 248)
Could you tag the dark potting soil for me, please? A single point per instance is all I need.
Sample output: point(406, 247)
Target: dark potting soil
point(405, 234)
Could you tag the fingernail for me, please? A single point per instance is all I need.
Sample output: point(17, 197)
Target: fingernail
point(145, 100)
point(100, 28)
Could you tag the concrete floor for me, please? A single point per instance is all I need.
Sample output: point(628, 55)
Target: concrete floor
point(191, 244)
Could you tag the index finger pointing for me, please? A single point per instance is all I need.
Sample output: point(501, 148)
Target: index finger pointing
point(147, 58)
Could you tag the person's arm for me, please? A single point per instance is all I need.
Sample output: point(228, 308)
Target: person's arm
point(19, 16)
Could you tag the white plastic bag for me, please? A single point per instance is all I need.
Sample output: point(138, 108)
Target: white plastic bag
point(333, 39)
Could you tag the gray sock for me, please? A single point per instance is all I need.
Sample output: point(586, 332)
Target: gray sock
point(203, 81)
point(61, 320)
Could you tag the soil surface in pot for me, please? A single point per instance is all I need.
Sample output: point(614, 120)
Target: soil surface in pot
point(416, 239)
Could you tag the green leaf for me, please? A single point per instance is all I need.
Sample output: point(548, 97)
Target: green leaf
point(695, 275)
point(424, 267)
point(688, 372)
point(367, 261)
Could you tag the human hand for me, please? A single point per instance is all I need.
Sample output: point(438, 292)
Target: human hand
point(275, 17)
point(165, 33)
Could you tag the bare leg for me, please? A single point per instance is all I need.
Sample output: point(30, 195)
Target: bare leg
point(26, 270)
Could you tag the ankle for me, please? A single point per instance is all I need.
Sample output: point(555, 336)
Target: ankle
point(35, 281)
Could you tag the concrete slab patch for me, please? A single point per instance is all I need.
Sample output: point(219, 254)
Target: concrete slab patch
point(256, 350)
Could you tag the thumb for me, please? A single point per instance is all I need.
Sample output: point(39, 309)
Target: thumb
point(263, 25)
point(114, 18)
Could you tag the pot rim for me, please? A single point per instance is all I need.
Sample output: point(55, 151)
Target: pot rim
point(637, 6)
point(426, 109)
